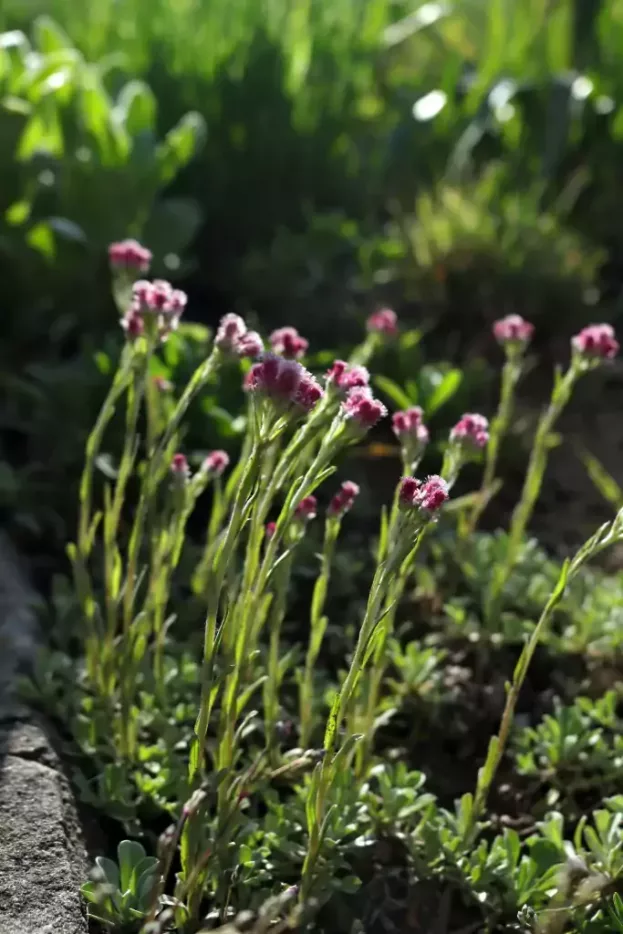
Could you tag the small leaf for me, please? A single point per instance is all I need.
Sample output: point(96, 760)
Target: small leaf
point(130, 854)
point(393, 391)
point(109, 870)
point(447, 388)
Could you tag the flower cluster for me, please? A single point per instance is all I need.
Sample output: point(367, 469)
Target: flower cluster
point(232, 337)
point(362, 409)
point(471, 432)
point(427, 497)
point(343, 500)
point(343, 377)
point(307, 509)
point(288, 343)
point(215, 463)
point(383, 322)
point(130, 256)
point(156, 308)
point(596, 342)
point(285, 382)
point(411, 432)
point(513, 332)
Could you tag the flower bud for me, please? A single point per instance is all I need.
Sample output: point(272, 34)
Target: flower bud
point(362, 409)
point(471, 432)
point(129, 255)
point(180, 467)
point(288, 343)
point(344, 377)
point(344, 499)
point(216, 462)
point(383, 322)
point(230, 332)
point(513, 332)
point(250, 345)
point(595, 343)
point(307, 509)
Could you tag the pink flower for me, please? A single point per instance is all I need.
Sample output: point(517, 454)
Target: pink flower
point(289, 343)
point(250, 345)
point(596, 342)
point(343, 500)
point(307, 508)
point(408, 425)
point(179, 466)
point(472, 430)
point(513, 330)
point(158, 302)
point(286, 382)
point(363, 409)
point(133, 325)
point(432, 494)
point(230, 332)
point(130, 255)
point(270, 529)
point(309, 392)
point(384, 322)
point(345, 377)
point(407, 491)
point(427, 497)
point(216, 462)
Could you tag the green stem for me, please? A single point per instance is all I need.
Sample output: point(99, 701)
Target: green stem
point(511, 374)
point(318, 623)
point(272, 683)
point(530, 491)
point(610, 533)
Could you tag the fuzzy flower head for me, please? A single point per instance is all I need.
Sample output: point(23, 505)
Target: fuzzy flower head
point(284, 382)
point(343, 377)
point(595, 344)
point(307, 509)
point(250, 345)
point(133, 325)
point(513, 333)
point(426, 497)
point(362, 410)
point(344, 499)
point(431, 495)
point(180, 467)
point(269, 529)
point(230, 332)
point(471, 432)
point(215, 463)
point(288, 343)
point(383, 322)
point(411, 432)
point(129, 256)
point(158, 305)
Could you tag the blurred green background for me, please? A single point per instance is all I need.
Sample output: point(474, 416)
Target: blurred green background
point(297, 161)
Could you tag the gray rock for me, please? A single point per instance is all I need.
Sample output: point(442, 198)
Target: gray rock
point(42, 857)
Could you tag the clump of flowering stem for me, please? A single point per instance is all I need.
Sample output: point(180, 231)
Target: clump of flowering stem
point(468, 437)
point(341, 503)
point(513, 333)
point(418, 504)
point(592, 347)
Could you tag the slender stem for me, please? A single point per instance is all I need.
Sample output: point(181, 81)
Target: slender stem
point(317, 627)
point(272, 683)
point(530, 492)
point(499, 426)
